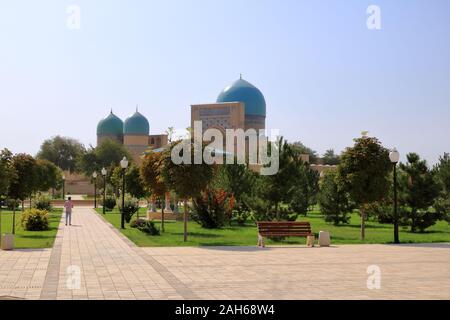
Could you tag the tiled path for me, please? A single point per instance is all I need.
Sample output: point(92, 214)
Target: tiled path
point(111, 267)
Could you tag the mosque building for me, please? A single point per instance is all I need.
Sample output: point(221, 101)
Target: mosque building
point(134, 134)
point(239, 105)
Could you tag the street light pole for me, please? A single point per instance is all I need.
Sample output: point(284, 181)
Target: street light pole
point(64, 187)
point(394, 156)
point(94, 175)
point(104, 172)
point(124, 165)
point(396, 236)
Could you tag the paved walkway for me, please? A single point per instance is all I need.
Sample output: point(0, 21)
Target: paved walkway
point(92, 260)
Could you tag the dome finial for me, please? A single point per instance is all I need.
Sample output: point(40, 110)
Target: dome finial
point(240, 76)
point(137, 106)
point(111, 111)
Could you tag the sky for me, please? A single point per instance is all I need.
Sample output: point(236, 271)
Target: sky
point(325, 75)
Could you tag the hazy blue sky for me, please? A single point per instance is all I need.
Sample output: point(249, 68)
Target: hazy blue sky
point(325, 76)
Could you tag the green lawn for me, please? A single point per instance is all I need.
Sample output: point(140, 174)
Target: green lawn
point(247, 235)
point(31, 239)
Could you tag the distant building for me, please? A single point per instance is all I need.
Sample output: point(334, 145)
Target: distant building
point(134, 134)
point(239, 106)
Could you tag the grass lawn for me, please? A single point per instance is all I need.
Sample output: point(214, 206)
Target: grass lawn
point(247, 235)
point(31, 239)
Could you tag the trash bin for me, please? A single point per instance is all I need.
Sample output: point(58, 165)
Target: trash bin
point(7, 241)
point(324, 239)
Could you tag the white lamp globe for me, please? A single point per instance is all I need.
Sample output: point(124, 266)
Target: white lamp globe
point(394, 156)
point(124, 163)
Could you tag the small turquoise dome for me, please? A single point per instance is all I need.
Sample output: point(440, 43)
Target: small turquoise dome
point(111, 125)
point(243, 91)
point(136, 124)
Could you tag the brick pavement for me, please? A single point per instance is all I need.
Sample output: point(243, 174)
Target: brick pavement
point(111, 267)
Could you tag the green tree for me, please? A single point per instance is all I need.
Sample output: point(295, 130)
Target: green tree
point(363, 172)
point(49, 176)
point(418, 192)
point(289, 186)
point(313, 186)
point(7, 173)
point(442, 176)
point(334, 202)
point(108, 155)
point(301, 196)
point(151, 175)
point(299, 148)
point(63, 152)
point(442, 173)
point(7, 176)
point(280, 187)
point(330, 158)
point(187, 180)
point(237, 180)
point(133, 182)
point(25, 183)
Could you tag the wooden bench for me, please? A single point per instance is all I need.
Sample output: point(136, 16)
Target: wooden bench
point(282, 229)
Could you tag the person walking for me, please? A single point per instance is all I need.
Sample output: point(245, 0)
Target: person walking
point(68, 205)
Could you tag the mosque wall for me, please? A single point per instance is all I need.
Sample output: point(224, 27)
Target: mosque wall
point(135, 140)
point(229, 115)
point(116, 138)
point(255, 122)
point(156, 141)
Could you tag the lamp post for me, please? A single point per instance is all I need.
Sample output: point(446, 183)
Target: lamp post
point(94, 175)
point(64, 187)
point(394, 156)
point(104, 172)
point(124, 165)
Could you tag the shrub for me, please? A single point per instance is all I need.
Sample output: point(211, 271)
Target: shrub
point(131, 206)
point(241, 214)
point(137, 223)
point(263, 210)
point(110, 203)
point(419, 220)
point(35, 220)
point(211, 209)
point(43, 203)
point(149, 227)
point(442, 206)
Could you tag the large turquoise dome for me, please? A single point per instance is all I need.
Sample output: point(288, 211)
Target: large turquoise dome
point(136, 124)
point(110, 126)
point(243, 91)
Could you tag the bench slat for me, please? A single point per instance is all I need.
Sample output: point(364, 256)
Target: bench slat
point(284, 228)
point(290, 223)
